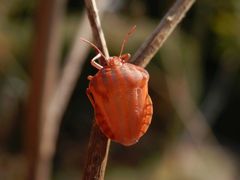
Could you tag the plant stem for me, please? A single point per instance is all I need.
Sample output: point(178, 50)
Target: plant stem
point(59, 100)
point(155, 41)
point(99, 144)
point(45, 63)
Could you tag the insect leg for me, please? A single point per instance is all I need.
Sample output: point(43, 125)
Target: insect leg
point(94, 63)
point(90, 97)
point(90, 77)
point(125, 57)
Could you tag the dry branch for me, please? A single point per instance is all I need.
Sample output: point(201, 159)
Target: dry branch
point(58, 102)
point(190, 115)
point(45, 61)
point(99, 144)
point(154, 42)
point(94, 20)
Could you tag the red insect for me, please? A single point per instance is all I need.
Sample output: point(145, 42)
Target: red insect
point(119, 95)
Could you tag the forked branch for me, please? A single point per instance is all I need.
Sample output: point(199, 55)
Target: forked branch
point(99, 144)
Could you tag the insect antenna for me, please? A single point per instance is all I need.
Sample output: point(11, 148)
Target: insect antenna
point(132, 30)
point(95, 47)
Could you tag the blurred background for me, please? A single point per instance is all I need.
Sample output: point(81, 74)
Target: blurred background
point(194, 85)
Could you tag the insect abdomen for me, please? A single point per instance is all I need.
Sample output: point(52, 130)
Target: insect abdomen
point(123, 107)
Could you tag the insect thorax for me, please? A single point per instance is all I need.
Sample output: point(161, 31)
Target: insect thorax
point(115, 61)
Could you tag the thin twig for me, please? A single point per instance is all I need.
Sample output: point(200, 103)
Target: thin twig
point(94, 20)
point(45, 64)
point(186, 108)
point(154, 42)
point(58, 102)
point(194, 122)
point(99, 144)
point(218, 93)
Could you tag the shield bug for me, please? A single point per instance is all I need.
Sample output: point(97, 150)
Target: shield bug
point(119, 95)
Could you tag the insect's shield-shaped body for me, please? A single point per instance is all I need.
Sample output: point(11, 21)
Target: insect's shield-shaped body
point(123, 108)
point(119, 95)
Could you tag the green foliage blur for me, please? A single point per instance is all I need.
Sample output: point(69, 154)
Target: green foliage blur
point(204, 49)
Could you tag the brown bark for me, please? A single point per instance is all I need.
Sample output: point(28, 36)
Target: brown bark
point(99, 144)
point(44, 71)
point(166, 26)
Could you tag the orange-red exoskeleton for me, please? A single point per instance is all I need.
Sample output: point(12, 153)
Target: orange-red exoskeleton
point(119, 95)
